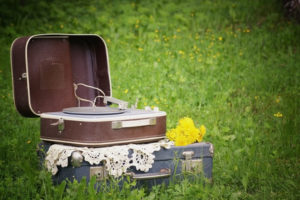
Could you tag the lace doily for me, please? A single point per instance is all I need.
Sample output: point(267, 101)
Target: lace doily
point(117, 159)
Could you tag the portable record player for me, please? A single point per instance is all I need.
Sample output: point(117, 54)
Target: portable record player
point(64, 79)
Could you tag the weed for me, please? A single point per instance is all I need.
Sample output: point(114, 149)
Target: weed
point(230, 65)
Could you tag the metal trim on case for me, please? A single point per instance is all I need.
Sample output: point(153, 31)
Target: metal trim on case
point(99, 144)
point(133, 123)
point(211, 149)
point(60, 125)
point(163, 173)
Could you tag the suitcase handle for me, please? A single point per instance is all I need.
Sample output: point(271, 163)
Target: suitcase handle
point(133, 123)
point(164, 173)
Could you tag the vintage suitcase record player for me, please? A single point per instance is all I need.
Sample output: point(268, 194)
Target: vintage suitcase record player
point(64, 79)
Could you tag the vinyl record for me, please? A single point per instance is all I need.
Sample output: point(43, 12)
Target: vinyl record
point(93, 110)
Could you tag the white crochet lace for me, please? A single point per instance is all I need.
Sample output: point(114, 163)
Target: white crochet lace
point(117, 159)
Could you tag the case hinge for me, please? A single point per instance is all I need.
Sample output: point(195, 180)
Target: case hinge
point(23, 76)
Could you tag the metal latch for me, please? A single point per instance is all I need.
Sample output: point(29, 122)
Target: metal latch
point(60, 125)
point(190, 165)
point(100, 172)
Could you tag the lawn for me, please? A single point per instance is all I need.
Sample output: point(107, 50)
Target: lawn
point(230, 65)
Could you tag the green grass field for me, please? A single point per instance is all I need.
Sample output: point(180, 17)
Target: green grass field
point(233, 66)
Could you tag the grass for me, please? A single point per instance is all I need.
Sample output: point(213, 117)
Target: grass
point(230, 65)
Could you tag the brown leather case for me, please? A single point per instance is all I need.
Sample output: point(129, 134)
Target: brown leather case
point(101, 133)
point(44, 69)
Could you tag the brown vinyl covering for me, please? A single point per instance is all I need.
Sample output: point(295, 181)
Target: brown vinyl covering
point(55, 63)
point(19, 83)
point(100, 133)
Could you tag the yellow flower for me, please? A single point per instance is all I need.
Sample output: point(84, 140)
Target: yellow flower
point(186, 133)
point(186, 123)
point(181, 52)
point(180, 141)
point(126, 91)
point(220, 38)
point(171, 134)
point(202, 130)
point(140, 49)
point(202, 133)
point(278, 115)
point(29, 141)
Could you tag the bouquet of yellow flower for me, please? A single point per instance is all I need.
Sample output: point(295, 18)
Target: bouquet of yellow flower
point(186, 133)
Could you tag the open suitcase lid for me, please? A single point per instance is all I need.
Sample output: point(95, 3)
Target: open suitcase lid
point(46, 67)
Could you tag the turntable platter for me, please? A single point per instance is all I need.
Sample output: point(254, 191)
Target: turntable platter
point(93, 110)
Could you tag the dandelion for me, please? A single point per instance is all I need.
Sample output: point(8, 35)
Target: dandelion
point(108, 40)
point(180, 141)
point(136, 26)
point(278, 114)
point(186, 133)
point(220, 38)
point(126, 91)
point(156, 30)
point(181, 52)
point(140, 49)
point(202, 133)
point(29, 141)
